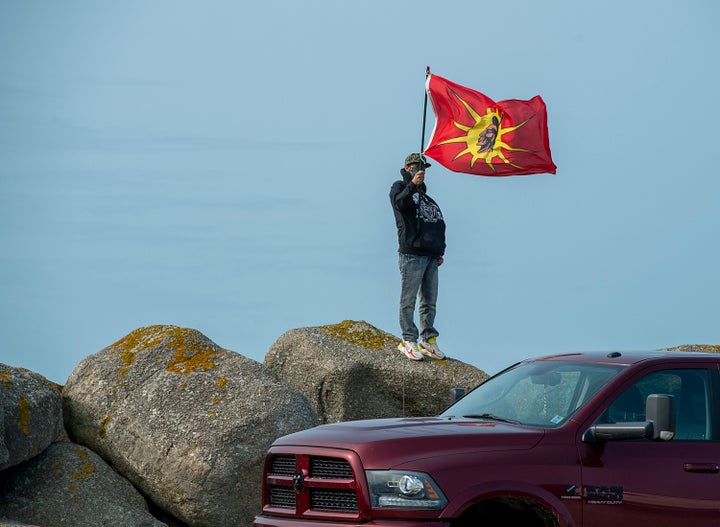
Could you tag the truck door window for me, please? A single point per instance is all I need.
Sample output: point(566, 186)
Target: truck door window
point(691, 389)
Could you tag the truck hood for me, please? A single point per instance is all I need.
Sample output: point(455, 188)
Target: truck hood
point(386, 443)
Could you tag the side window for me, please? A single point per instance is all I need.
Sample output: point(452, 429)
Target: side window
point(689, 387)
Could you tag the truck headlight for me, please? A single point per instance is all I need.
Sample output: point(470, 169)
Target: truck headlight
point(404, 489)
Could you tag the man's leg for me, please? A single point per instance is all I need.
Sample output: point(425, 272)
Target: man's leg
point(428, 300)
point(412, 269)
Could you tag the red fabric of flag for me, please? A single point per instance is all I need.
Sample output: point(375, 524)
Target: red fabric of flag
point(475, 135)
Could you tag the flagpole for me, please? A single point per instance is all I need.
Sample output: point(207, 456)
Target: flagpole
point(418, 214)
point(422, 141)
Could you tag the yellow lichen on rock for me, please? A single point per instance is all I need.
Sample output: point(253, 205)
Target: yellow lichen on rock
point(23, 422)
point(103, 426)
point(127, 358)
point(185, 361)
point(192, 352)
point(86, 469)
point(360, 334)
point(5, 378)
point(127, 346)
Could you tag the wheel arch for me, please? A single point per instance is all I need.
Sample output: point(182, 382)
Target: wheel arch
point(507, 491)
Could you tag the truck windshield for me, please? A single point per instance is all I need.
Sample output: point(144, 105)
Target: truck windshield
point(539, 393)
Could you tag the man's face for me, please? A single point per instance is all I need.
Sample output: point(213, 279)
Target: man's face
point(412, 168)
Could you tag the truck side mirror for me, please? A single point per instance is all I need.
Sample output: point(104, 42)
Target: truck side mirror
point(659, 424)
point(660, 411)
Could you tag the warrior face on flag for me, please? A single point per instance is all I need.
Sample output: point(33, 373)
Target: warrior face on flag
point(488, 137)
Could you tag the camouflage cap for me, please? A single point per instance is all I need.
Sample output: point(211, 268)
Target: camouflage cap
point(416, 158)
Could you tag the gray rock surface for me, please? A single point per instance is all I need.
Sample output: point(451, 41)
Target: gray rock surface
point(186, 421)
point(30, 414)
point(69, 485)
point(353, 370)
point(695, 347)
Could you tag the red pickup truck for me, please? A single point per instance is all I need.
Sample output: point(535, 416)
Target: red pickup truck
point(584, 439)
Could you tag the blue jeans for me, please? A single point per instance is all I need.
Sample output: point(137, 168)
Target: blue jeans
point(419, 276)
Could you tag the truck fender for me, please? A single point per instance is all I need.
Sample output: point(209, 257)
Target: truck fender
point(494, 489)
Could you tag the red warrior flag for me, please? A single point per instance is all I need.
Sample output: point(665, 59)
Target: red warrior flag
point(475, 135)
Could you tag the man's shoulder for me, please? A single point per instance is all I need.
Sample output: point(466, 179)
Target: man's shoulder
point(398, 185)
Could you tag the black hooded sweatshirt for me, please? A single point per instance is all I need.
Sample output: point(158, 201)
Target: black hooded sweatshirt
point(420, 224)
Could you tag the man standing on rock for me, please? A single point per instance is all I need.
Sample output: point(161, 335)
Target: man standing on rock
point(421, 245)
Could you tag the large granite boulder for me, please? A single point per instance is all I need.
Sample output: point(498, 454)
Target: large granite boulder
point(30, 414)
point(695, 347)
point(5, 522)
point(69, 485)
point(186, 421)
point(353, 370)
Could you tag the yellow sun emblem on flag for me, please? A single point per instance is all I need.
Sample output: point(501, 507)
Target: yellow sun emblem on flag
point(484, 138)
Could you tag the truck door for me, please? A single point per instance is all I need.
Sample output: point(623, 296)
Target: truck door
point(645, 482)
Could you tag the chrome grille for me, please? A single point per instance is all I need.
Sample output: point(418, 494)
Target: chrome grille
point(331, 468)
point(302, 485)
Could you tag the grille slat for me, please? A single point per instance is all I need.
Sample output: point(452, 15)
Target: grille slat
point(283, 497)
point(333, 500)
point(331, 468)
point(283, 465)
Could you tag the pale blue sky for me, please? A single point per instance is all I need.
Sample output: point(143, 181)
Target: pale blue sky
point(225, 167)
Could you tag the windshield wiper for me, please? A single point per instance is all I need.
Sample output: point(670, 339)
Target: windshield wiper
point(491, 417)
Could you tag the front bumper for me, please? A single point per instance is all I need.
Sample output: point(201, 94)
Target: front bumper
point(267, 521)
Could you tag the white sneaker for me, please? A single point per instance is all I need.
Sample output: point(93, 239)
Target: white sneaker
point(410, 349)
point(430, 349)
